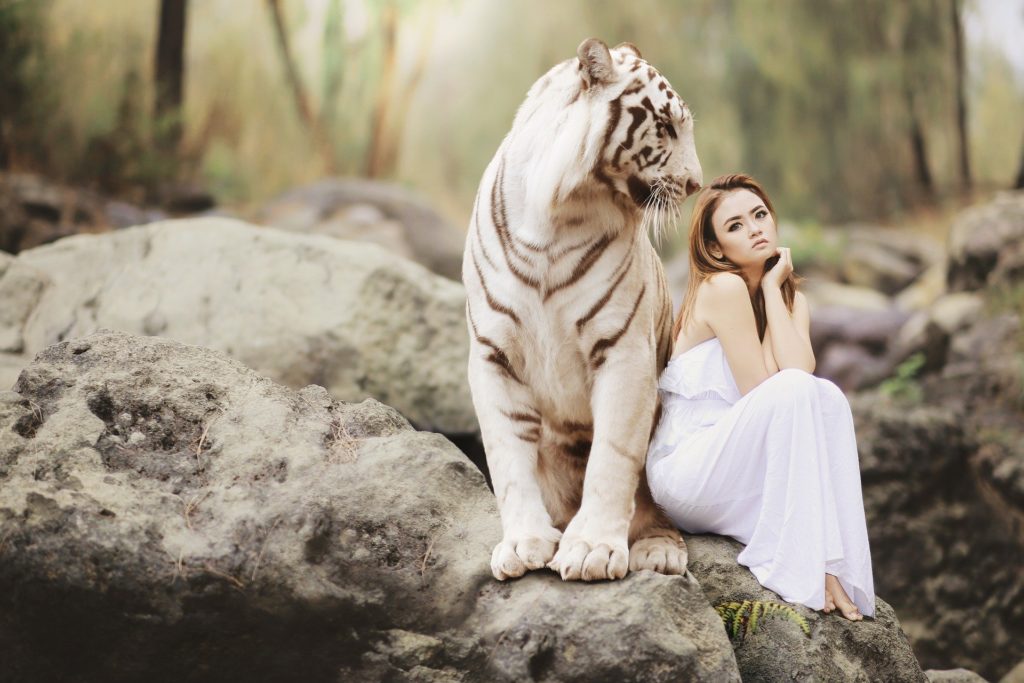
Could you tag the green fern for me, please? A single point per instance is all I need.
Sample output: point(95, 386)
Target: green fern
point(903, 384)
point(741, 618)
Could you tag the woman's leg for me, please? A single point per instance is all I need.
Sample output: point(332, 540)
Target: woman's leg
point(779, 473)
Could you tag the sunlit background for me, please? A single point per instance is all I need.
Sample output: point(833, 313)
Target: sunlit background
point(845, 111)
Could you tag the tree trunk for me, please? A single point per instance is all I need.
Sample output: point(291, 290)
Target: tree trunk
point(919, 149)
point(170, 73)
point(375, 154)
point(401, 112)
point(320, 139)
point(961, 104)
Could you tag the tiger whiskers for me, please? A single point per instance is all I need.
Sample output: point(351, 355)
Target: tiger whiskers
point(661, 209)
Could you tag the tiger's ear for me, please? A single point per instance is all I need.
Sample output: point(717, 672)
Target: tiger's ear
point(629, 47)
point(596, 66)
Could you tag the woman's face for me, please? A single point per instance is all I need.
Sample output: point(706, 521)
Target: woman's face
point(744, 229)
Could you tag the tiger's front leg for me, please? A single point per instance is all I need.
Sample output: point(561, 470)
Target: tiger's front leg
point(510, 429)
point(623, 400)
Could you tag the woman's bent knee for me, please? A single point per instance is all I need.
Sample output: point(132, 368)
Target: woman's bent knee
point(792, 382)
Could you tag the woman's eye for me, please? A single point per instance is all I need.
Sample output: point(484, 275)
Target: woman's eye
point(733, 226)
point(762, 213)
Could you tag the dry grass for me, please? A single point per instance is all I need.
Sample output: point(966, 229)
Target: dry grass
point(198, 447)
point(179, 567)
point(233, 580)
point(426, 553)
point(37, 411)
point(190, 507)
point(343, 445)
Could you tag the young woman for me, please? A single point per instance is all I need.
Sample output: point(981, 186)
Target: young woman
point(750, 444)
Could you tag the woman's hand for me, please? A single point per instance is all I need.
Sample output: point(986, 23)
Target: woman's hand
point(780, 271)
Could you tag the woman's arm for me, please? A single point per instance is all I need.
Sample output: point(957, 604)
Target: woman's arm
point(791, 334)
point(733, 323)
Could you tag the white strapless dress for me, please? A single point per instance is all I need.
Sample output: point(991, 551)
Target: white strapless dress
point(776, 469)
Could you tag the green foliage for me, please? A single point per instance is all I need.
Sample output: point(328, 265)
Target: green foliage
point(808, 243)
point(903, 386)
point(744, 617)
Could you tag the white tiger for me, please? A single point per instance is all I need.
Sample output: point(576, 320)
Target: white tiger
point(570, 315)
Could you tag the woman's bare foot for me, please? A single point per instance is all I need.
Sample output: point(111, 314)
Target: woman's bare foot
point(836, 596)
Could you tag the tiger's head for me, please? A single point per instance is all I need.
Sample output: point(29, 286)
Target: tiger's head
point(610, 116)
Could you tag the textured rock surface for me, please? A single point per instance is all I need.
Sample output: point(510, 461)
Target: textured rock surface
point(20, 288)
point(837, 649)
point(167, 514)
point(300, 309)
point(941, 544)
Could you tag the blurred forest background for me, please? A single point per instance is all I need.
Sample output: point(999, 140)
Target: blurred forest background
point(846, 111)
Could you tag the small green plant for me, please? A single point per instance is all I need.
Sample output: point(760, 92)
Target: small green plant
point(744, 617)
point(903, 386)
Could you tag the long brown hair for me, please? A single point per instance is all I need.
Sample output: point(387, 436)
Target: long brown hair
point(703, 263)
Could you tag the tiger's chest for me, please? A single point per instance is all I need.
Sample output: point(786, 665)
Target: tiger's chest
point(566, 315)
point(554, 363)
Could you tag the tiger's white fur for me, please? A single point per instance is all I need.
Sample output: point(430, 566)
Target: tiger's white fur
point(570, 314)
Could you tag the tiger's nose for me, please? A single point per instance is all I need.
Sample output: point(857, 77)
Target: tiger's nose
point(691, 187)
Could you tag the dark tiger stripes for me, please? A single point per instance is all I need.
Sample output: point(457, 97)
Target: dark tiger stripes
point(585, 263)
point(596, 353)
point(499, 218)
point(639, 115)
point(476, 233)
point(529, 422)
point(596, 308)
point(614, 114)
point(491, 301)
point(520, 416)
point(497, 355)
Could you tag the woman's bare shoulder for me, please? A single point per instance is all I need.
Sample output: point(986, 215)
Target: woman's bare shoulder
point(721, 289)
point(709, 298)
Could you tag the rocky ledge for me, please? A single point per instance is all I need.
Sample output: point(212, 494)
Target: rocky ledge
point(168, 514)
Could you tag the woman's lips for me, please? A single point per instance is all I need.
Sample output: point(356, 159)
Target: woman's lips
point(760, 243)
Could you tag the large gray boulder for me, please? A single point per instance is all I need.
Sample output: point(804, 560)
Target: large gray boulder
point(168, 514)
point(300, 309)
point(20, 289)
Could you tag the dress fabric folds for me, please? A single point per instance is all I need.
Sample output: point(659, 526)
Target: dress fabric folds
point(776, 469)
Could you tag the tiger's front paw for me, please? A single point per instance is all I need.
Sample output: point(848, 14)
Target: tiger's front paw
point(520, 552)
point(591, 557)
point(664, 554)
